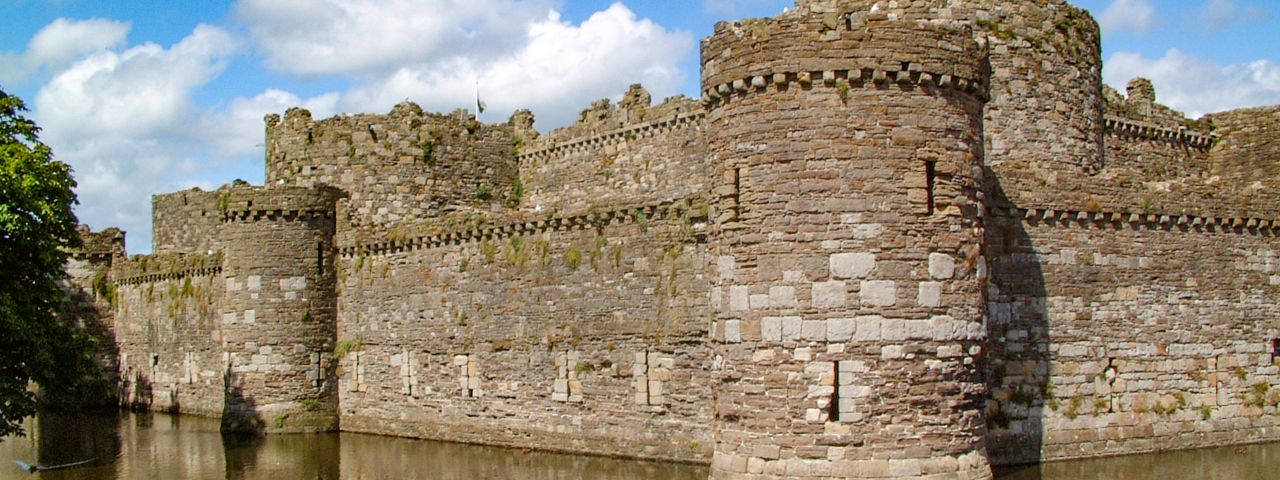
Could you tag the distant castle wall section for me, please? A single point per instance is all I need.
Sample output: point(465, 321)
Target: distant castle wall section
point(581, 333)
point(624, 154)
point(167, 334)
point(1125, 333)
point(400, 167)
point(185, 222)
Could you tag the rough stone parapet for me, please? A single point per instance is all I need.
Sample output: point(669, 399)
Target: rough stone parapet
point(534, 224)
point(1128, 128)
point(658, 127)
point(103, 245)
point(1144, 221)
point(185, 222)
point(152, 268)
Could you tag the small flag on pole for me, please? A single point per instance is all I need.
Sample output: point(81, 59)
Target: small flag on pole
point(479, 103)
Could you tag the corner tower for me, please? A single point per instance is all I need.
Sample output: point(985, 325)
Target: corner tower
point(279, 309)
point(848, 290)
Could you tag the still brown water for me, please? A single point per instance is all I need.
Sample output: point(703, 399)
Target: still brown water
point(155, 446)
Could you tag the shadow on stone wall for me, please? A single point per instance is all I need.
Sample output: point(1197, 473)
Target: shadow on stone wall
point(1018, 356)
point(239, 412)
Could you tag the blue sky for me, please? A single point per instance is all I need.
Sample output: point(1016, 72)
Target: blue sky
point(150, 96)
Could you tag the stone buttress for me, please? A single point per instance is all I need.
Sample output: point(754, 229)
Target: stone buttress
point(278, 315)
point(848, 283)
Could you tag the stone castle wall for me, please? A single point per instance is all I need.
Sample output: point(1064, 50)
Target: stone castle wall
point(168, 332)
point(578, 333)
point(892, 240)
point(186, 222)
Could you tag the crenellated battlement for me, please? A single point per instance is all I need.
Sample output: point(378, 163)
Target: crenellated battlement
point(908, 239)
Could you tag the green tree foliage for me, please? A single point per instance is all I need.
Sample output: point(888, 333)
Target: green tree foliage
point(40, 356)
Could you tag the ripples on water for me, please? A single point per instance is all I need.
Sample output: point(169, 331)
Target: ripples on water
point(155, 446)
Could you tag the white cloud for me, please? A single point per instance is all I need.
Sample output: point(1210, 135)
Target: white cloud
point(528, 57)
point(1220, 14)
point(305, 37)
point(1197, 86)
point(559, 69)
point(1133, 16)
point(127, 123)
point(58, 44)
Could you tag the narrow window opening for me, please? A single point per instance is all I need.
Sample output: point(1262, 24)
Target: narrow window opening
point(737, 192)
point(930, 178)
point(320, 258)
point(833, 410)
point(1275, 349)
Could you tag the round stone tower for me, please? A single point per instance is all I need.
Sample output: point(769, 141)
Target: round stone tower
point(279, 309)
point(848, 292)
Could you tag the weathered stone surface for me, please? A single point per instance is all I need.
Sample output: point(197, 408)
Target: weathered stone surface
point(879, 227)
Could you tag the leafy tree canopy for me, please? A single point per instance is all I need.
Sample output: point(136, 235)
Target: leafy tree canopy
point(40, 356)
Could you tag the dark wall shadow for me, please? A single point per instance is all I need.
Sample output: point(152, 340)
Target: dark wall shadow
point(67, 437)
point(239, 411)
point(1018, 357)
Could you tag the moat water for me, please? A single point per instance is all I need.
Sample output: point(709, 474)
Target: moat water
point(156, 446)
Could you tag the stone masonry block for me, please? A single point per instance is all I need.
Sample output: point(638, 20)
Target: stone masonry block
point(771, 329)
point(840, 329)
point(852, 265)
point(790, 328)
point(726, 266)
point(782, 296)
point(829, 294)
point(814, 330)
point(930, 294)
point(941, 266)
point(733, 331)
point(739, 298)
point(868, 328)
point(879, 293)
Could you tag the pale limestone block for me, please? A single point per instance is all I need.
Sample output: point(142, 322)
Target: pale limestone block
point(250, 316)
point(869, 328)
point(941, 266)
point(771, 329)
point(813, 415)
point(905, 468)
point(854, 391)
point(782, 296)
point(767, 452)
point(852, 265)
point(253, 282)
point(893, 329)
point(717, 297)
point(460, 361)
point(560, 386)
point(840, 329)
point(755, 466)
point(733, 331)
point(727, 266)
point(229, 318)
point(814, 330)
point(791, 328)
point(930, 294)
point(794, 276)
point(803, 354)
point(919, 329)
point(829, 294)
point(891, 352)
point(879, 293)
point(759, 301)
point(739, 298)
point(867, 231)
point(293, 284)
point(559, 397)
point(853, 366)
point(232, 284)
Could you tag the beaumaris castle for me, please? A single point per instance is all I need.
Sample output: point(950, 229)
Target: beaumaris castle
point(893, 239)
